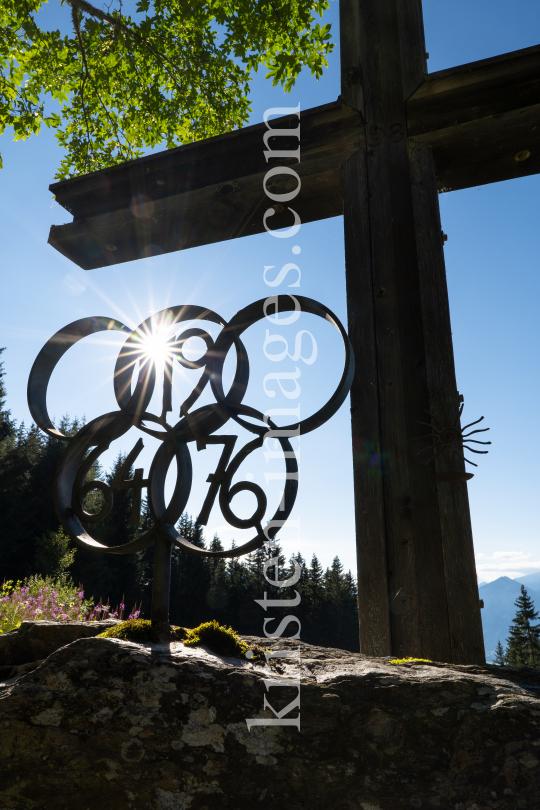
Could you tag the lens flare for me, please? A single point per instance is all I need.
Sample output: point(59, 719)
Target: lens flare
point(156, 346)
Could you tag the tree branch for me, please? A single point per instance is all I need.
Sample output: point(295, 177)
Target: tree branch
point(121, 26)
point(101, 15)
point(77, 27)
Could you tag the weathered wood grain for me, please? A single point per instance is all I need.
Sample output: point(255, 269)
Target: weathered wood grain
point(352, 85)
point(412, 46)
point(465, 623)
point(406, 534)
point(324, 131)
point(199, 217)
point(484, 151)
point(205, 192)
point(374, 614)
point(477, 117)
point(416, 573)
point(475, 90)
point(389, 234)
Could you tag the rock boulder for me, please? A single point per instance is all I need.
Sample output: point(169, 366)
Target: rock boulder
point(104, 724)
point(34, 641)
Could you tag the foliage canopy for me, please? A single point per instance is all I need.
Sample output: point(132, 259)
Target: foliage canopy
point(172, 72)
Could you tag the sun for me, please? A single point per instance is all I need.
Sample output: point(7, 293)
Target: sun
point(154, 342)
point(156, 346)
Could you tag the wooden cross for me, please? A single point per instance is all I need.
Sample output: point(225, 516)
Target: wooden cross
point(378, 156)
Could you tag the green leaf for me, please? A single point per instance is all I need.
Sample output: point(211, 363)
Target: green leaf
point(180, 71)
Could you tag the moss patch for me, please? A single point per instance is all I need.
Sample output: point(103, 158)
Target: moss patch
point(410, 660)
point(141, 631)
point(256, 653)
point(221, 640)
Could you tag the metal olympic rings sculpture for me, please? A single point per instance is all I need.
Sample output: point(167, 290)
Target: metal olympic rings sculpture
point(197, 426)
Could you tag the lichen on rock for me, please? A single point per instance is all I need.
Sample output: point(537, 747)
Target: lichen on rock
point(109, 724)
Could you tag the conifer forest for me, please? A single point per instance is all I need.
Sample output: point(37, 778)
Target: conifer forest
point(33, 543)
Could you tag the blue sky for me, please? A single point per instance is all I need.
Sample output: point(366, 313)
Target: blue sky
point(492, 267)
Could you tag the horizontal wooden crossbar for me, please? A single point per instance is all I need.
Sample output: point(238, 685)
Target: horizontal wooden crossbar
point(207, 191)
point(482, 121)
point(478, 117)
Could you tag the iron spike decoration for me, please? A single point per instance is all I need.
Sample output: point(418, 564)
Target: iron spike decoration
point(451, 437)
point(194, 426)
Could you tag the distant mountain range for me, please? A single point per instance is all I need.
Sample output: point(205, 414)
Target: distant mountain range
point(499, 609)
point(531, 581)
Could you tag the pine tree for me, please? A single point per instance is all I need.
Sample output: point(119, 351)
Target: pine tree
point(218, 597)
point(316, 577)
point(216, 565)
point(115, 578)
point(243, 613)
point(500, 655)
point(304, 575)
point(523, 646)
point(313, 591)
point(27, 472)
point(190, 578)
point(7, 426)
point(349, 636)
point(333, 583)
point(339, 623)
point(255, 566)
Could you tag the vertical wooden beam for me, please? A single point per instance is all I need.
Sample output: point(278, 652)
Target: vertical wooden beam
point(405, 527)
point(374, 617)
point(465, 623)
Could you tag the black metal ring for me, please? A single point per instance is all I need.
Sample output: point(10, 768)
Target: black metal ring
point(78, 501)
point(70, 487)
point(255, 312)
point(47, 359)
point(205, 420)
point(73, 459)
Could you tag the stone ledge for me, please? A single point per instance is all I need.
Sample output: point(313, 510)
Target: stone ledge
point(34, 641)
point(105, 724)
